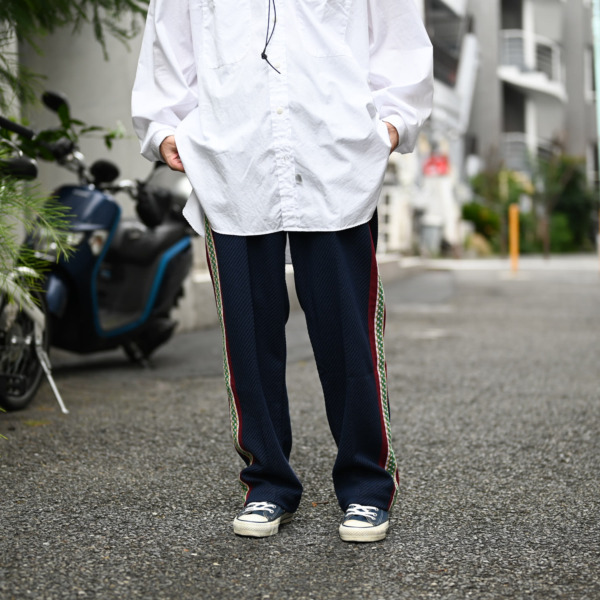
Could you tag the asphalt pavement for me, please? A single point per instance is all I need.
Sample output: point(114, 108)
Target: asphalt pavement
point(495, 398)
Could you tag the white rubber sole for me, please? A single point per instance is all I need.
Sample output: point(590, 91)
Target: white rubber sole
point(364, 534)
point(252, 529)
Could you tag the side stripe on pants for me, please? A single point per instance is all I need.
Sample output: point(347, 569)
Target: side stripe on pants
point(234, 409)
point(377, 320)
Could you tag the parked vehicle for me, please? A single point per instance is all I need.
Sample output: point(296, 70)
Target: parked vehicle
point(119, 286)
point(24, 339)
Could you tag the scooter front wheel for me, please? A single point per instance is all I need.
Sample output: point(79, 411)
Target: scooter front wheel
point(20, 369)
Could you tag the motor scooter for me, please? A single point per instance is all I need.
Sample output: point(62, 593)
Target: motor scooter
point(124, 276)
point(24, 340)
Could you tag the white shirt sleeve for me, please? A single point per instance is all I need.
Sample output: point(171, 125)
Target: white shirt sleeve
point(400, 67)
point(164, 91)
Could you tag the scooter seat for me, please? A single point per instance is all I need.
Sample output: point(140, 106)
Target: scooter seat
point(134, 243)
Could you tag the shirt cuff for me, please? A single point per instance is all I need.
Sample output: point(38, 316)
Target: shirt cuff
point(157, 139)
point(398, 123)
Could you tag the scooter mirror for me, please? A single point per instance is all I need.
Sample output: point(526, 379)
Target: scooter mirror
point(54, 101)
point(104, 171)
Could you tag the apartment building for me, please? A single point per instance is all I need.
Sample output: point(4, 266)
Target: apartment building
point(534, 92)
point(513, 82)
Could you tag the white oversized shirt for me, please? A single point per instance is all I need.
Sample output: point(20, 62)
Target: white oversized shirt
point(302, 149)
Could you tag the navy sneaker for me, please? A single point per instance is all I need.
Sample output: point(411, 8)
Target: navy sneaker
point(260, 519)
point(364, 524)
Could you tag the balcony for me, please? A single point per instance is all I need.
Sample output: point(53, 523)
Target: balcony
point(519, 152)
point(532, 63)
point(445, 65)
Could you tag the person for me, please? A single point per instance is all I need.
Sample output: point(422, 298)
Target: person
point(283, 114)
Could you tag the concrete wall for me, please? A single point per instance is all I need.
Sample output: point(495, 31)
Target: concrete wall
point(99, 93)
point(548, 18)
point(550, 118)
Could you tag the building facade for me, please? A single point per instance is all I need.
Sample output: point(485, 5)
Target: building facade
point(534, 92)
point(514, 82)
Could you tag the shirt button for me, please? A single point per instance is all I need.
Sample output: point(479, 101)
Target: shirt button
point(280, 111)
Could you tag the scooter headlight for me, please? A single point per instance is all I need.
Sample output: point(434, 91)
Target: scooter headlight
point(97, 240)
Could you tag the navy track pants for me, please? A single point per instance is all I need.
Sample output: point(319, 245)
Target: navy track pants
point(340, 292)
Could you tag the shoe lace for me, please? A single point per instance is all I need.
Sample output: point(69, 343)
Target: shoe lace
point(259, 506)
point(358, 510)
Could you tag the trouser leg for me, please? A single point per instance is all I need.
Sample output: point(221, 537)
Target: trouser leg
point(340, 292)
point(249, 280)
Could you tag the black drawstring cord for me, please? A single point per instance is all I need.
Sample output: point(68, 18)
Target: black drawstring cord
point(270, 33)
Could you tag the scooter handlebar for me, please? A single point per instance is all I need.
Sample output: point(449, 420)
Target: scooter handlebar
point(16, 128)
point(58, 149)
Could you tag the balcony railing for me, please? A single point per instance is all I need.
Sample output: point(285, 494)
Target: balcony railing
point(531, 53)
point(519, 156)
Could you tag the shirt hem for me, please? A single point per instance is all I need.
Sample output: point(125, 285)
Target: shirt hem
point(295, 229)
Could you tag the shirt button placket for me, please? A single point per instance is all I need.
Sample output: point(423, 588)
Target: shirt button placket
point(282, 130)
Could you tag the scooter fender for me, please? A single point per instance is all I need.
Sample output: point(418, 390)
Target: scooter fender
point(56, 295)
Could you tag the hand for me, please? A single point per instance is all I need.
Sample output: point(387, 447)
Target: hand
point(393, 133)
point(168, 150)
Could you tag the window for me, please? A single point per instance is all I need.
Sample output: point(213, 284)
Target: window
point(513, 109)
point(512, 14)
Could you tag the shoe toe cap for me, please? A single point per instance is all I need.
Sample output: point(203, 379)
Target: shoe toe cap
point(357, 523)
point(253, 518)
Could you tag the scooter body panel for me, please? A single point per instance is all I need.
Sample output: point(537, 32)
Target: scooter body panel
point(167, 262)
point(89, 210)
point(57, 295)
point(98, 303)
